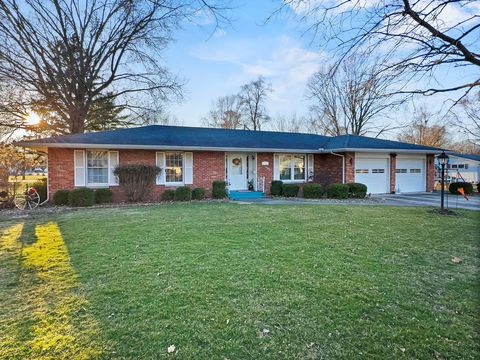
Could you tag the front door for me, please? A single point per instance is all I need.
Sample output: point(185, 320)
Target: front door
point(237, 171)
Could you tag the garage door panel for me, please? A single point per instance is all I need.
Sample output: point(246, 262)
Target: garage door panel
point(374, 174)
point(410, 175)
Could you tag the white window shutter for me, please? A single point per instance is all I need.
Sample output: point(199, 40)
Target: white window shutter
point(112, 164)
point(276, 167)
point(79, 167)
point(160, 161)
point(311, 169)
point(188, 168)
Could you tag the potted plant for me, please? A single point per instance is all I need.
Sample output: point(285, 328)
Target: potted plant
point(250, 185)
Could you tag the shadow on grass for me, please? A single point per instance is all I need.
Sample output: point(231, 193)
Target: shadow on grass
point(43, 314)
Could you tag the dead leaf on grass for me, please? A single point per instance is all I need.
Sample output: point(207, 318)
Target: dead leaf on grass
point(264, 332)
point(456, 260)
point(171, 349)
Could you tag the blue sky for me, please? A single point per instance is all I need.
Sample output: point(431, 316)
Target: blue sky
point(218, 65)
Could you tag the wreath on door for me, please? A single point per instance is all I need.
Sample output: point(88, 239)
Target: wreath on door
point(236, 161)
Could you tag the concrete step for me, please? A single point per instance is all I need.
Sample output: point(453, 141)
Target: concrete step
point(241, 195)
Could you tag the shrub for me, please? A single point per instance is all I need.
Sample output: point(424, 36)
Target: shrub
point(357, 190)
point(467, 187)
point(312, 191)
point(168, 195)
point(81, 197)
point(276, 187)
point(198, 194)
point(337, 191)
point(60, 197)
point(219, 190)
point(290, 190)
point(478, 187)
point(183, 193)
point(137, 180)
point(41, 187)
point(103, 196)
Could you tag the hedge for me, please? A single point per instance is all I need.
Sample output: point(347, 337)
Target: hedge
point(337, 191)
point(60, 198)
point(137, 180)
point(357, 190)
point(276, 187)
point(81, 197)
point(290, 190)
point(183, 193)
point(103, 196)
point(219, 190)
point(198, 194)
point(312, 191)
point(467, 187)
point(168, 195)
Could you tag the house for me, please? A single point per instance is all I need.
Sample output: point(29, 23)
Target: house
point(464, 167)
point(198, 156)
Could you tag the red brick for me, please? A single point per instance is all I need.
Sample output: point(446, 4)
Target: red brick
point(265, 170)
point(430, 172)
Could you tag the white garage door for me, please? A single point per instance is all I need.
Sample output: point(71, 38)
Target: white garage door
point(410, 175)
point(374, 174)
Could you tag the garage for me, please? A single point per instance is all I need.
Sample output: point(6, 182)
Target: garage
point(373, 172)
point(410, 175)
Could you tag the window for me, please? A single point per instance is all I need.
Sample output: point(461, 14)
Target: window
point(378, 171)
point(174, 167)
point(461, 166)
point(361, 171)
point(415, 171)
point(454, 166)
point(97, 167)
point(291, 167)
point(401, 171)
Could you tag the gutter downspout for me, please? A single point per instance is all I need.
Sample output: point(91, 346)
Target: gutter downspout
point(343, 165)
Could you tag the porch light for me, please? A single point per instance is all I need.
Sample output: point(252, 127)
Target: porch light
point(443, 158)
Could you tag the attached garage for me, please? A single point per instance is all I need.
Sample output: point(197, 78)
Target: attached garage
point(410, 175)
point(373, 171)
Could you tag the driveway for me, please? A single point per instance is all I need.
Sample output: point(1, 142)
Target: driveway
point(414, 199)
point(431, 199)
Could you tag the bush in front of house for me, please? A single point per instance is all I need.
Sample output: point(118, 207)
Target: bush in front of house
point(219, 189)
point(168, 195)
point(478, 187)
point(81, 197)
point(198, 194)
point(103, 196)
point(357, 190)
point(290, 190)
point(41, 187)
point(276, 188)
point(467, 187)
point(183, 193)
point(337, 191)
point(60, 198)
point(312, 191)
point(137, 180)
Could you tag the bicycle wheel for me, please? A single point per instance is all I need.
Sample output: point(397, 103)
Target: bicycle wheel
point(27, 201)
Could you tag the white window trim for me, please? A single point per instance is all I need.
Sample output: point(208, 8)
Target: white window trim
point(175, 183)
point(292, 168)
point(161, 162)
point(97, 185)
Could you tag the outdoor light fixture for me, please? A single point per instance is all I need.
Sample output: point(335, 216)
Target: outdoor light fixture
point(443, 158)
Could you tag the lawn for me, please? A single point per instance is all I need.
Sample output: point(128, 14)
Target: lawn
point(239, 281)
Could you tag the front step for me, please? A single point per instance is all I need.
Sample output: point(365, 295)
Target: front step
point(245, 195)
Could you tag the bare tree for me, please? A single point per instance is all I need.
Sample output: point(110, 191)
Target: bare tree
point(253, 97)
point(63, 56)
point(423, 132)
point(350, 98)
point(225, 113)
point(467, 118)
point(424, 37)
point(291, 123)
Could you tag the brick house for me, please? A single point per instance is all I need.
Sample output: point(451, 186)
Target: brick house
point(197, 156)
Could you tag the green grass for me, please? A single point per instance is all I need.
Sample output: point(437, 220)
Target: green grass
point(328, 282)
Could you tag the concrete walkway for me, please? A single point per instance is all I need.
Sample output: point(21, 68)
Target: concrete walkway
point(417, 199)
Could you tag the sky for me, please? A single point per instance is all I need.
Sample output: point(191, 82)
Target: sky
point(217, 63)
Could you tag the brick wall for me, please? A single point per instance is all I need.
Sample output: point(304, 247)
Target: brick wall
point(328, 169)
point(207, 167)
point(393, 167)
point(349, 167)
point(430, 172)
point(265, 170)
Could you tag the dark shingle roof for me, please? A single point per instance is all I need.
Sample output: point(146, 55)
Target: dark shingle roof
point(467, 156)
point(208, 138)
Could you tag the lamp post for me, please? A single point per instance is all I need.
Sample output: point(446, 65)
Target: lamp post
point(443, 158)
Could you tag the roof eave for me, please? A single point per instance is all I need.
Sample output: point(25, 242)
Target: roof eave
point(372, 150)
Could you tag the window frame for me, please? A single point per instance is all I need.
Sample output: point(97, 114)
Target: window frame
point(292, 167)
point(87, 168)
point(175, 183)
